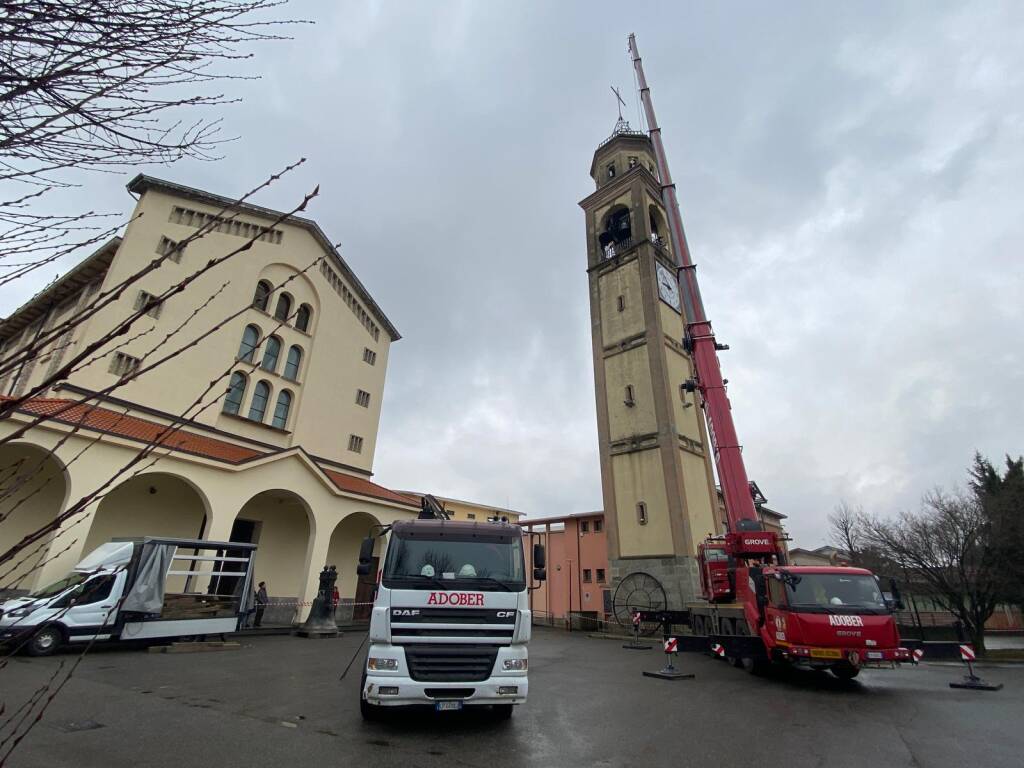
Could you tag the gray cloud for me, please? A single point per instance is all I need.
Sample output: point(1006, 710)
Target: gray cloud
point(851, 182)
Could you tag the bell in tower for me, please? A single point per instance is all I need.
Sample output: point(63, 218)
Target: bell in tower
point(657, 483)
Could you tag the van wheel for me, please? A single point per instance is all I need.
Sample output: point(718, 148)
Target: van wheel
point(366, 709)
point(503, 711)
point(45, 642)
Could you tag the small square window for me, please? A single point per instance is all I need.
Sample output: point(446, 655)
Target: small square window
point(355, 443)
point(362, 398)
point(598, 526)
point(586, 576)
point(585, 527)
point(169, 248)
point(142, 299)
point(471, 515)
point(369, 356)
point(123, 365)
point(600, 575)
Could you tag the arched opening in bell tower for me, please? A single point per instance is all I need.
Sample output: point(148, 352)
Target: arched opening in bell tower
point(659, 229)
point(617, 231)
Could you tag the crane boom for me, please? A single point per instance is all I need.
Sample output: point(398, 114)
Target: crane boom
point(700, 338)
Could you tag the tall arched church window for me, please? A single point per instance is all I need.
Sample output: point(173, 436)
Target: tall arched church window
point(262, 295)
point(303, 317)
point(270, 354)
point(284, 307)
point(236, 393)
point(293, 363)
point(284, 404)
point(260, 396)
point(250, 340)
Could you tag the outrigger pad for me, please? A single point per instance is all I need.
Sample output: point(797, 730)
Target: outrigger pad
point(972, 684)
point(670, 673)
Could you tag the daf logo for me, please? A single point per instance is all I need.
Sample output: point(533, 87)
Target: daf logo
point(504, 614)
point(405, 612)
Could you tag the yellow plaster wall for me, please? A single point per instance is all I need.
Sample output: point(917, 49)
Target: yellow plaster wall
point(332, 370)
point(638, 477)
point(629, 367)
point(616, 325)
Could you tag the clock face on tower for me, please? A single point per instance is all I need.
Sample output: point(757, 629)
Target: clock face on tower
point(668, 287)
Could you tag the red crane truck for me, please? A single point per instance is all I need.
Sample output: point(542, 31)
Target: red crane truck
point(755, 607)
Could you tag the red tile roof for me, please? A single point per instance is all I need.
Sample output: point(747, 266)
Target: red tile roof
point(133, 428)
point(363, 487)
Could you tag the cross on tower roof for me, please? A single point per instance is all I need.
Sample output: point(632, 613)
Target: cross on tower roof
point(621, 125)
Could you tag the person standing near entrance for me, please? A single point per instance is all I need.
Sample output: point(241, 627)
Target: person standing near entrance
point(261, 603)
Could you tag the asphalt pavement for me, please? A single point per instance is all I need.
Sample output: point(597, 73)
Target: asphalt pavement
point(278, 700)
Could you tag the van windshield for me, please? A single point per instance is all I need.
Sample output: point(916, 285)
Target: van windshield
point(455, 562)
point(71, 580)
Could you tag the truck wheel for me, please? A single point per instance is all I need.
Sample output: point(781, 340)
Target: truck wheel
point(45, 642)
point(756, 666)
point(503, 711)
point(845, 671)
point(741, 631)
point(366, 709)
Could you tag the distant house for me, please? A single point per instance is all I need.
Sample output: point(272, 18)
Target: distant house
point(826, 555)
point(469, 510)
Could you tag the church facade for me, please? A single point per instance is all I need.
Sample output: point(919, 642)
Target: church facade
point(261, 429)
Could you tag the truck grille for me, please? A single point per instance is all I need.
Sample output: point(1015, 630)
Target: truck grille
point(450, 663)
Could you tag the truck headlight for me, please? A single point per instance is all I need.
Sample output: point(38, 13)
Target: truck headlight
point(515, 665)
point(381, 665)
point(19, 613)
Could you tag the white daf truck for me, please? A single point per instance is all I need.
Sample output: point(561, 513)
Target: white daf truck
point(136, 589)
point(451, 618)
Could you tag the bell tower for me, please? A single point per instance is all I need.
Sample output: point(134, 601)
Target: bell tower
point(656, 476)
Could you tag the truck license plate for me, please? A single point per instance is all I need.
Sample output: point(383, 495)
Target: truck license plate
point(442, 706)
point(826, 653)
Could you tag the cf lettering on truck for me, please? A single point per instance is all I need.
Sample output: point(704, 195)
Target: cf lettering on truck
point(451, 619)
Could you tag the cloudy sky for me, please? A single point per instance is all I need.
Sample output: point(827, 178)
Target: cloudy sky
point(852, 182)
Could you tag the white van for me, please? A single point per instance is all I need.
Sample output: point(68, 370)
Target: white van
point(136, 589)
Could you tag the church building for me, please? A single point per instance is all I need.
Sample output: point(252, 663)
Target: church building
point(292, 351)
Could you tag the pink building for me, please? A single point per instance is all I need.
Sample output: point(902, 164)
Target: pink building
point(577, 567)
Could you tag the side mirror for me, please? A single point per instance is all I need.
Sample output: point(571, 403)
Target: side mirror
point(760, 590)
point(365, 557)
point(540, 574)
point(896, 597)
point(539, 558)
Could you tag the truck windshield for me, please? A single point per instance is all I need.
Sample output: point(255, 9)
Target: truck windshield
point(833, 592)
point(455, 562)
point(57, 587)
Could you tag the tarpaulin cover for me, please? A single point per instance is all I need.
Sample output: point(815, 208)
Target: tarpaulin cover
point(147, 593)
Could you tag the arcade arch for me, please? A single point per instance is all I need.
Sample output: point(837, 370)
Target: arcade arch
point(34, 489)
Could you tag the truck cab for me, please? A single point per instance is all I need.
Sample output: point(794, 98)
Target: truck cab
point(829, 617)
point(451, 620)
